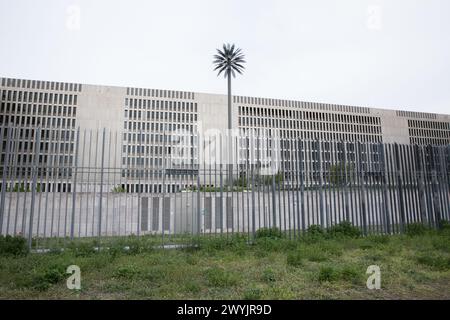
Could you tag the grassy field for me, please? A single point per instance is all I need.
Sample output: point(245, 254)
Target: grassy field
point(320, 266)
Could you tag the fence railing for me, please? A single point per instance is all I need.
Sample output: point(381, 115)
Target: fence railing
point(61, 184)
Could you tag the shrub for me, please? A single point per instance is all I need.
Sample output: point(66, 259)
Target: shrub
point(315, 230)
point(315, 255)
point(327, 274)
point(350, 273)
point(13, 245)
point(295, 259)
point(269, 275)
point(344, 229)
point(126, 272)
point(221, 243)
point(252, 294)
point(379, 239)
point(415, 229)
point(192, 286)
point(118, 189)
point(51, 276)
point(219, 277)
point(273, 233)
point(82, 249)
point(444, 225)
point(441, 243)
point(435, 262)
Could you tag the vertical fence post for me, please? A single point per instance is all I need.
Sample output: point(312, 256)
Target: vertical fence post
point(74, 187)
point(274, 166)
point(421, 184)
point(346, 182)
point(435, 186)
point(385, 191)
point(252, 172)
point(5, 168)
point(198, 142)
point(321, 207)
point(163, 191)
point(362, 192)
point(37, 144)
point(399, 187)
point(101, 186)
point(139, 172)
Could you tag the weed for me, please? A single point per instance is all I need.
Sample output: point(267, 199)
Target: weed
point(252, 294)
point(268, 275)
point(328, 274)
point(219, 277)
point(272, 233)
point(44, 280)
point(13, 246)
point(343, 229)
point(126, 272)
point(435, 262)
point(295, 259)
point(350, 273)
point(192, 287)
point(415, 229)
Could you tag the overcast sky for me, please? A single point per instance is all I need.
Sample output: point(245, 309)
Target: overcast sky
point(387, 54)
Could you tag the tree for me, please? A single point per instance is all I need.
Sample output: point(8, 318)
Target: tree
point(228, 61)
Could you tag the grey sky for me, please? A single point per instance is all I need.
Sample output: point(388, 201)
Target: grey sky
point(388, 54)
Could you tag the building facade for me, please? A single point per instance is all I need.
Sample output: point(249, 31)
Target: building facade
point(127, 132)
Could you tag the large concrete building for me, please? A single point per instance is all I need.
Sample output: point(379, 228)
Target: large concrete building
point(138, 119)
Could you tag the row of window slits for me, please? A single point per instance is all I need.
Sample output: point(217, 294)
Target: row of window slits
point(307, 115)
point(38, 97)
point(41, 85)
point(159, 93)
point(329, 136)
point(429, 141)
point(299, 104)
point(137, 115)
point(420, 124)
point(429, 132)
point(412, 114)
point(330, 126)
point(180, 106)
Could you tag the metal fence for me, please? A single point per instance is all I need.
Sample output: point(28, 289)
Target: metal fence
point(61, 184)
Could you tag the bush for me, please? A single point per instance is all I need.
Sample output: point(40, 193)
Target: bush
point(441, 243)
point(269, 275)
point(315, 255)
point(235, 242)
point(435, 262)
point(327, 274)
point(82, 249)
point(379, 239)
point(344, 229)
point(350, 273)
point(415, 229)
point(118, 189)
point(126, 272)
point(252, 294)
point(13, 245)
point(51, 276)
point(444, 225)
point(295, 259)
point(273, 233)
point(219, 277)
point(315, 230)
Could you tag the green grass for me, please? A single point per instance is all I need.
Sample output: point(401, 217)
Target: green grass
point(416, 265)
